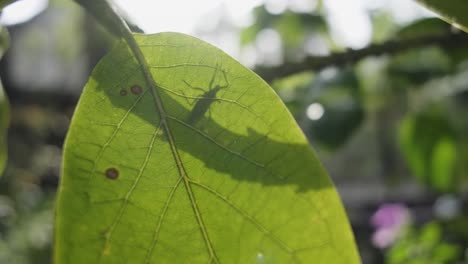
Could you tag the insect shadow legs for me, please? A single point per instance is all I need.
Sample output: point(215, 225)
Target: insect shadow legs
point(206, 98)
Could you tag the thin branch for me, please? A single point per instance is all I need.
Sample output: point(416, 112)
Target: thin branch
point(313, 63)
point(105, 13)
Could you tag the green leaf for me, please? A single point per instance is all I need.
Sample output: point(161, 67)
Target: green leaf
point(431, 157)
point(343, 110)
point(422, 28)
point(443, 165)
point(4, 121)
point(452, 11)
point(4, 106)
point(197, 161)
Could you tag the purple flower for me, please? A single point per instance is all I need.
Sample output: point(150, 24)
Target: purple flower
point(389, 220)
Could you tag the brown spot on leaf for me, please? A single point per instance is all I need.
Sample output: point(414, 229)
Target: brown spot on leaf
point(112, 173)
point(123, 92)
point(136, 89)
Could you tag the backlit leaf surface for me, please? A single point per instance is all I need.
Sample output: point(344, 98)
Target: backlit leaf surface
point(204, 164)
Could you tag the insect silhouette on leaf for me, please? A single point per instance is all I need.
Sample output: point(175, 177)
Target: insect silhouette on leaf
point(205, 100)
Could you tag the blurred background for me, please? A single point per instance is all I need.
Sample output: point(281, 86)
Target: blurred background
point(384, 106)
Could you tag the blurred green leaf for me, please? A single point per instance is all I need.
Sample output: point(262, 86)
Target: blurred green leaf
point(28, 237)
point(292, 91)
point(433, 27)
point(424, 245)
point(4, 121)
point(443, 164)
point(423, 27)
point(343, 110)
point(249, 34)
point(444, 253)
point(430, 235)
point(452, 11)
point(292, 27)
point(427, 143)
point(4, 107)
point(420, 65)
point(181, 161)
point(383, 26)
point(459, 226)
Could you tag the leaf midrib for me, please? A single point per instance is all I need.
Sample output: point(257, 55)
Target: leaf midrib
point(152, 86)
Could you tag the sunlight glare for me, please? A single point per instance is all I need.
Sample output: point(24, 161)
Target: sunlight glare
point(276, 7)
point(174, 15)
point(240, 11)
point(349, 22)
point(315, 111)
point(183, 15)
point(269, 47)
point(22, 11)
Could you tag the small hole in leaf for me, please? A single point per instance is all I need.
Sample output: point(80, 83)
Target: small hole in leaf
point(123, 92)
point(112, 173)
point(136, 89)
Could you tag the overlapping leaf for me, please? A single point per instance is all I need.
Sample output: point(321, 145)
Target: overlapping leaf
point(4, 107)
point(452, 11)
point(200, 162)
point(4, 117)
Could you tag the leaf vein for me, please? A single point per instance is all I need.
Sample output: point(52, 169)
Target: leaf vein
point(160, 108)
point(251, 219)
point(114, 133)
point(161, 218)
point(217, 143)
point(130, 191)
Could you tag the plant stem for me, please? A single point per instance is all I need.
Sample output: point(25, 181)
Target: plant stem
point(352, 56)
